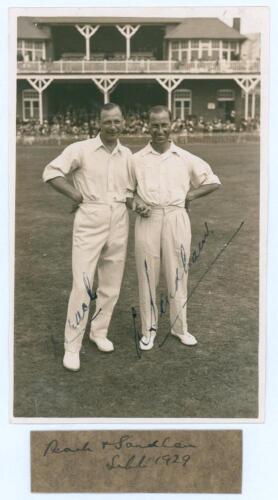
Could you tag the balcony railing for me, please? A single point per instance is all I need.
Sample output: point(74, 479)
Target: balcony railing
point(143, 66)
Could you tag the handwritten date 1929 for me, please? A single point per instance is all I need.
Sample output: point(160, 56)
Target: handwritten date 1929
point(143, 462)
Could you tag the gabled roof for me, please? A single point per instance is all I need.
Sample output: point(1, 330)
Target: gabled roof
point(106, 20)
point(194, 27)
point(203, 27)
point(28, 29)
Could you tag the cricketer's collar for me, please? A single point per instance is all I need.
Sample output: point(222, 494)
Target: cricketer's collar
point(97, 143)
point(172, 149)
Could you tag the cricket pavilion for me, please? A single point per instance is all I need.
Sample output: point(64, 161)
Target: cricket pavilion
point(196, 66)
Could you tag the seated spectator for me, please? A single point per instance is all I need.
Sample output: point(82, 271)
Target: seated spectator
point(79, 123)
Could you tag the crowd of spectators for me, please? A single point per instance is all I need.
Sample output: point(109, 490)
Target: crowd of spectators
point(77, 123)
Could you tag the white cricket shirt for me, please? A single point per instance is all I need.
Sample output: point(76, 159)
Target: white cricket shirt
point(99, 175)
point(164, 179)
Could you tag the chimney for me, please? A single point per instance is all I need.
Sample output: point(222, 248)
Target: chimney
point(236, 23)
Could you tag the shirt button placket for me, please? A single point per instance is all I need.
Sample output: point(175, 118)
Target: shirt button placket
point(109, 175)
point(160, 184)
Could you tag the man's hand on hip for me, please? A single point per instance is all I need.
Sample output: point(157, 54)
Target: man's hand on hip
point(62, 185)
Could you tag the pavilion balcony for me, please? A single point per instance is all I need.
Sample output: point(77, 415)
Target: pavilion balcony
point(136, 66)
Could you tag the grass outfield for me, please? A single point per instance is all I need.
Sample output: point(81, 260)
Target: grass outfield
point(218, 378)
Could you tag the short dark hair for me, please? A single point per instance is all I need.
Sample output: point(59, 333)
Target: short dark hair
point(108, 106)
point(154, 110)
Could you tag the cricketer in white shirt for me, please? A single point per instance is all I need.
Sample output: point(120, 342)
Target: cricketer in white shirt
point(166, 177)
point(102, 182)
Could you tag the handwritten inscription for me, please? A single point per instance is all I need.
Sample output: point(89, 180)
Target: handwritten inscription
point(197, 251)
point(54, 448)
point(152, 304)
point(136, 460)
point(136, 333)
point(132, 461)
point(80, 315)
point(164, 300)
point(223, 249)
point(187, 264)
point(125, 441)
point(142, 462)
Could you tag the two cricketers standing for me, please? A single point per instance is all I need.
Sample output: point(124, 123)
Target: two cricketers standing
point(164, 179)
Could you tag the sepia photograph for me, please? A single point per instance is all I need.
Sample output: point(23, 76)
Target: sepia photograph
point(139, 214)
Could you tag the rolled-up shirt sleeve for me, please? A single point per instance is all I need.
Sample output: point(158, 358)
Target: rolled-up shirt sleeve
point(65, 163)
point(201, 174)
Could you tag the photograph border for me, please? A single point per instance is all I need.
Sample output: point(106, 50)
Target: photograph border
point(14, 13)
point(259, 452)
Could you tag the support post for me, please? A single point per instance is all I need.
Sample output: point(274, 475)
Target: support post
point(40, 84)
point(105, 85)
point(128, 31)
point(87, 31)
point(88, 49)
point(169, 84)
point(170, 100)
point(128, 48)
point(246, 107)
point(253, 109)
point(40, 108)
point(247, 84)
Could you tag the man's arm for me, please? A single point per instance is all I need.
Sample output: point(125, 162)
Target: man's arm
point(201, 191)
point(56, 171)
point(204, 190)
point(61, 185)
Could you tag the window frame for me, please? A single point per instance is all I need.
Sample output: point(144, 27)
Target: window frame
point(34, 97)
point(29, 46)
point(177, 97)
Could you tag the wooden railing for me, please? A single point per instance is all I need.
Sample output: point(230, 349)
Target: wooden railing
point(142, 66)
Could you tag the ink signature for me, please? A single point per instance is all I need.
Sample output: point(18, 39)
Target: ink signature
point(197, 251)
point(134, 315)
point(53, 447)
point(80, 315)
point(125, 441)
point(164, 301)
point(153, 308)
point(136, 333)
point(195, 256)
point(224, 247)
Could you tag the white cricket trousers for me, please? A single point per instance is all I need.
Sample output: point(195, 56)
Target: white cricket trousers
point(100, 233)
point(164, 237)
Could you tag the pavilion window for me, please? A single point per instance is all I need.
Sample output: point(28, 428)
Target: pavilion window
point(194, 44)
point(30, 104)
point(182, 103)
point(31, 50)
point(225, 95)
point(175, 55)
point(192, 50)
point(194, 55)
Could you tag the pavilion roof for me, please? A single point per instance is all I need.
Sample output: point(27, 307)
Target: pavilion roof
point(203, 27)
